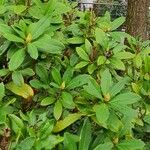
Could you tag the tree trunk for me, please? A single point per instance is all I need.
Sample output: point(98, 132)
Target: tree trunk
point(137, 18)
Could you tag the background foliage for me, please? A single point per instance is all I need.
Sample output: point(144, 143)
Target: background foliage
point(69, 82)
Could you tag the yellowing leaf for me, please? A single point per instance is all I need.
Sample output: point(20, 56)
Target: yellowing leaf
point(29, 38)
point(25, 90)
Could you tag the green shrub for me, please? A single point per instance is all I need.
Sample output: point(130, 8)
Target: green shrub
point(69, 82)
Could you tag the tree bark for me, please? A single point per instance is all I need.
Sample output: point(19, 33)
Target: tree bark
point(137, 18)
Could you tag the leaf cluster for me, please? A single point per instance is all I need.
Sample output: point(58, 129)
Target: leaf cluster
point(68, 81)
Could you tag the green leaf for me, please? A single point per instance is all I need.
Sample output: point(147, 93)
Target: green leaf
point(132, 144)
point(75, 40)
point(17, 121)
point(117, 23)
point(26, 144)
point(48, 45)
point(16, 60)
point(56, 76)
point(62, 8)
point(4, 28)
point(32, 50)
point(78, 81)
point(106, 81)
point(82, 54)
point(68, 74)
point(147, 118)
point(4, 72)
point(17, 78)
point(2, 91)
point(88, 46)
point(105, 146)
point(117, 64)
point(38, 28)
point(51, 6)
point(101, 38)
point(2, 2)
point(124, 55)
point(38, 85)
point(124, 109)
point(138, 61)
point(116, 88)
point(8, 33)
point(101, 60)
point(42, 73)
point(85, 135)
point(57, 110)
point(91, 68)
point(47, 101)
point(70, 141)
point(126, 98)
point(4, 47)
point(17, 9)
point(118, 48)
point(13, 37)
point(93, 88)
point(67, 100)
point(81, 64)
point(46, 129)
point(114, 124)
point(3, 115)
point(102, 114)
point(27, 72)
point(70, 119)
point(3, 9)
